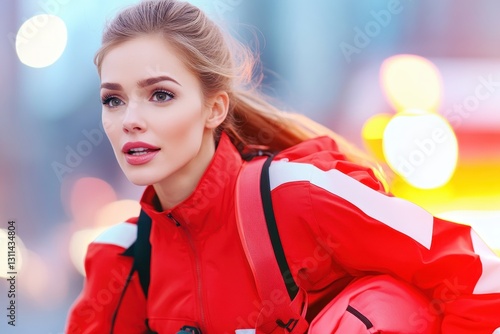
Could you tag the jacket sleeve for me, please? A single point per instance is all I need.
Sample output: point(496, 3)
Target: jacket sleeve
point(370, 231)
point(106, 273)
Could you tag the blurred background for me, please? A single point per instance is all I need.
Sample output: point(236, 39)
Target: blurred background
point(416, 84)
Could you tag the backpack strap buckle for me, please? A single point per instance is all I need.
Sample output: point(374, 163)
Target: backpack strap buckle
point(289, 326)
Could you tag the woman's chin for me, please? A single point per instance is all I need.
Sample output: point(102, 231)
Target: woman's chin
point(139, 175)
point(141, 183)
point(141, 180)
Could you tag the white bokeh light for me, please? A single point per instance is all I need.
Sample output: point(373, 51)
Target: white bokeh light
point(41, 40)
point(421, 147)
point(78, 246)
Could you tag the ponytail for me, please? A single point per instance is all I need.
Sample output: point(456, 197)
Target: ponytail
point(255, 123)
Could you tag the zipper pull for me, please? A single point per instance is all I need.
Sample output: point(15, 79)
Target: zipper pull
point(171, 217)
point(189, 330)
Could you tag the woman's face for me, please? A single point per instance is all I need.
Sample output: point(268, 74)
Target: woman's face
point(154, 112)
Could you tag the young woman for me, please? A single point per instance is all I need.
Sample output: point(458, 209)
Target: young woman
point(179, 118)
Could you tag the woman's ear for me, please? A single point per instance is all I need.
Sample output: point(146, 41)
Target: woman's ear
point(217, 110)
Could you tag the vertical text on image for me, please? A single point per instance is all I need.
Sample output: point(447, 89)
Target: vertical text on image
point(11, 273)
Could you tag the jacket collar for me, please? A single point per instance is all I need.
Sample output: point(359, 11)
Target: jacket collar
point(208, 206)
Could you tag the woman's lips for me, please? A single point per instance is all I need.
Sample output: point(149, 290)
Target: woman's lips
point(139, 153)
point(140, 158)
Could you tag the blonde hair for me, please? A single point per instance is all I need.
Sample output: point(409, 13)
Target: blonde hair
point(222, 64)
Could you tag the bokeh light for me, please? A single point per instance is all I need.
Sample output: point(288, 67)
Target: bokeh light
point(78, 245)
point(108, 215)
point(38, 283)
point(421, 147)
point(41, 40)
point(411, 82)
point(373, 132)
point(116, 212)
point(87, 196)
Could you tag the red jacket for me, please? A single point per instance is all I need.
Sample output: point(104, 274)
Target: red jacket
point(335, 222)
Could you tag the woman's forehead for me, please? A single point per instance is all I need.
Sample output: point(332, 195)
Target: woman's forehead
point(144, 57)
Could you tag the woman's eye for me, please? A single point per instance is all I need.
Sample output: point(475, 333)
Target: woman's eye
point(162, 96)
point(112, 102)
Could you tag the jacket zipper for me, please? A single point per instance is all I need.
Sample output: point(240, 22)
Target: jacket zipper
point(172, 218)
point(197, 266)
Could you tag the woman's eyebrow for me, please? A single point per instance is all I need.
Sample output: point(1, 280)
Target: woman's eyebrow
point(111, 86)
point(154, 80)
point(141, 83)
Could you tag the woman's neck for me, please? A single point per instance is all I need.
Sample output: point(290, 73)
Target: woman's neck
point(180, 185)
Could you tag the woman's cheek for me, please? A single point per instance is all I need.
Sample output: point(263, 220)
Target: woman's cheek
point(181, 124)
point(109, 126)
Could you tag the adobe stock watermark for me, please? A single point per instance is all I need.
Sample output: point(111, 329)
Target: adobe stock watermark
point(314, 263)
point(92, 138)
point(486, 87)
point(107, 295)
point(74, 155)
point(30, 30)
point(431, 146)
point(372, 29)
point(450, 292)
point(425, 149)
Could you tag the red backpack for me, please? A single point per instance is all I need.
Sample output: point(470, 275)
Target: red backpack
point(370, 304)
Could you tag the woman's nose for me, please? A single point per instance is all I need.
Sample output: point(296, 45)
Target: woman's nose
point(133, 122)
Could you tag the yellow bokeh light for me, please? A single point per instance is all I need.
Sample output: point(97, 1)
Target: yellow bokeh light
point(421, 148)
point(372, 133)
point(41, 40)
point(411, 82)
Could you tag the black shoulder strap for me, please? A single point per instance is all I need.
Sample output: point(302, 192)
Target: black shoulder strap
point(267, 203)
point(141, 251)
